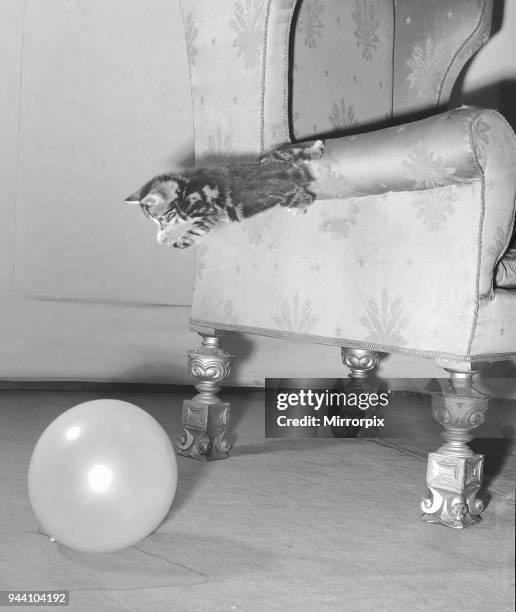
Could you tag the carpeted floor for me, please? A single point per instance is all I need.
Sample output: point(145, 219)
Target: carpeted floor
point(317, 524)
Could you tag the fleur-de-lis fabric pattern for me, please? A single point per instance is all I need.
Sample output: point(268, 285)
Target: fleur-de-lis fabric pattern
point(296, 315)
point(191, 32)
point(420, 207)
point(333, 179)
point(310, 24)
point(482, 130)
point(341, 49)
point(434, 207)
point(426, 169)
point(248, 24)
point(301, 286)
point(219, 146)
point(342, 117)
point(427, 65)
point(378, 270)
point(367, 24)
point(339, 224)
point(432, 47)
point(384, 320)
point(230, 59)
point(343, 76)
point(421, 155)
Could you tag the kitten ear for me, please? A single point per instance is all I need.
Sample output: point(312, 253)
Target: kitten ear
point(135, 198)
point(154, 197)
point(156, 192)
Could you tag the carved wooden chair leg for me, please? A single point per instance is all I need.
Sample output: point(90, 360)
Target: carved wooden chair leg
point(362, 364)
point(454, 472)
point(206, 416)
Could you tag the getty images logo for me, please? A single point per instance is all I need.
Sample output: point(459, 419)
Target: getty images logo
point(303, 412)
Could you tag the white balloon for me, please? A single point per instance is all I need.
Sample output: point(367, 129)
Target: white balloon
point(102, 476)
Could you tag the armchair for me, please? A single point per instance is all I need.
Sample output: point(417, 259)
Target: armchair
point(407, 248)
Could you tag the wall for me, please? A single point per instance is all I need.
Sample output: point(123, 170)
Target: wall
point(491, 78)
point(96, 101)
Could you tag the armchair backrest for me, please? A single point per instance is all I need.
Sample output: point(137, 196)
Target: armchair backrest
point(434, 41)
point(263, 71)
point(238, 57)
point(342, 70)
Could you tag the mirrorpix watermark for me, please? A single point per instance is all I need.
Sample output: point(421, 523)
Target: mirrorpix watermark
point(293, 409)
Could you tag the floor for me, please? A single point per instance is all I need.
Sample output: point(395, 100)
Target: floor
point(283, 524)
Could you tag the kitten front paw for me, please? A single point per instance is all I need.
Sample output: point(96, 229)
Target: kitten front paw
point(182, 243)
point(297, 212)
point(316, 150)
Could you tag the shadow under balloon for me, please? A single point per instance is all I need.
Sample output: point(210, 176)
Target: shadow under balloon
point(190, 474)
point(161, 560)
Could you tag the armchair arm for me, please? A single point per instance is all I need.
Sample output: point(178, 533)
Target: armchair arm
point(433, 152)
point(457, 147)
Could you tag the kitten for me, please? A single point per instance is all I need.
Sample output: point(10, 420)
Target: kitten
point(187, 205)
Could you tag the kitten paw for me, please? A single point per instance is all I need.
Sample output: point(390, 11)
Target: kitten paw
point(297, 212)
point(316, 150)
point(183, 243)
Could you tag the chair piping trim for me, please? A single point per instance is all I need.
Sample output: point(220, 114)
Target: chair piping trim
point(472, 119)
point(286, 68)
point(343, 342)
point(459, 50)
point(264, 69)
point(393, 58)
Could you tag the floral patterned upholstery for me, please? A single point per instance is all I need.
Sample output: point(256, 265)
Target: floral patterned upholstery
point(341, 50)
point(441, 150)
point(434, 40)
point(339, 54)
point(403, 251)
point(238, 105)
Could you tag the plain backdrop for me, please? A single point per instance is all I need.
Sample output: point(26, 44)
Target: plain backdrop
point(95, 100)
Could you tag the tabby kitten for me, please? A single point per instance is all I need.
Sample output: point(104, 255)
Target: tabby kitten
point(187, 205)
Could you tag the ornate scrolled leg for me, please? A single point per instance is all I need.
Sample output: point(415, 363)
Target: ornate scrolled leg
point(206, 417)
point(362, 364)
point(454, 473)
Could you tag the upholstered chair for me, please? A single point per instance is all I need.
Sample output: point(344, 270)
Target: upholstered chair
point(407, 248)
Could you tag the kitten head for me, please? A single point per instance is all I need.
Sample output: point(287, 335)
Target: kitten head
point(161, 201)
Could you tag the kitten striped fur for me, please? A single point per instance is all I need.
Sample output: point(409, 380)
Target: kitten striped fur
point(187, 205)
